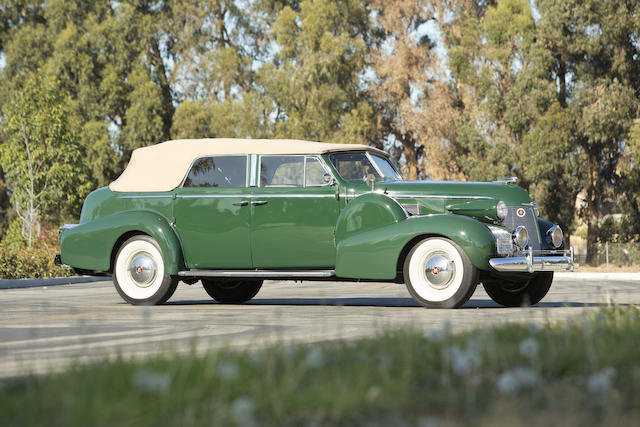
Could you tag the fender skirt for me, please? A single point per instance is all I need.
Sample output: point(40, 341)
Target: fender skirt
point(89, 246)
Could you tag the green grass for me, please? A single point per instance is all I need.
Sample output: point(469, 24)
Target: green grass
point(585, 372)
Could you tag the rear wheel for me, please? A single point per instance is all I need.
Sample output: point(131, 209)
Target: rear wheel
point(138, 273)
point(511, 294)
point(231, 291)
point(438, 273)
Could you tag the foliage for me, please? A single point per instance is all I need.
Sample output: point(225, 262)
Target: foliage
point(579, 373)
point(547, 91)
point(41, 156)
point(18, 261)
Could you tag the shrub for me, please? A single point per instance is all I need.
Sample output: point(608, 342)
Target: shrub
point(18, 261)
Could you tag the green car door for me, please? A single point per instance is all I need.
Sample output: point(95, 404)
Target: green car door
point(212, 214)
point(294, 210)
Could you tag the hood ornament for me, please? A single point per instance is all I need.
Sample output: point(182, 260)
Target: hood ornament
point(506, 180)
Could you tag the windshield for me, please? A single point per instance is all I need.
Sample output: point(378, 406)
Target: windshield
point(356, 165)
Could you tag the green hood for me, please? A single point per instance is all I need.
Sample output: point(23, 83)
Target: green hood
point(511, 194)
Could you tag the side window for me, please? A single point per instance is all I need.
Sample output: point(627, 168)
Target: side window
point(281, 171)
point(315, 173)
point(218, 171)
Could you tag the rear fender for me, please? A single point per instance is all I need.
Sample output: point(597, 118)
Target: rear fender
point(90, 246)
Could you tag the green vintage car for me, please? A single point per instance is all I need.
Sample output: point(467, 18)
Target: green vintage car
point(231, 213)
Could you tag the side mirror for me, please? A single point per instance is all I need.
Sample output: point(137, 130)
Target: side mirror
point(370, 180)
point(327, 179)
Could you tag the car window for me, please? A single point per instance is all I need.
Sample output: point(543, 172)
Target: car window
point(384, 166)
point(314, 173)
point(281, 171)
point(356, 166)
point(218, 171)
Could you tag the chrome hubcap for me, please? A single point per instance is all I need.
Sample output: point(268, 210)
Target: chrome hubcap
point(439, 271)
point(143, 269)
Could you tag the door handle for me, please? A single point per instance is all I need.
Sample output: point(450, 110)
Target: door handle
point(241, 203)
point(259, 202)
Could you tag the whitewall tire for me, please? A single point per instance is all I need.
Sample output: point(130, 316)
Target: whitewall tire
point(438, 273)
point(139, 275)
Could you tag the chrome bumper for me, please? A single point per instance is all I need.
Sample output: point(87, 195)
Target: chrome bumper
point(536, 261)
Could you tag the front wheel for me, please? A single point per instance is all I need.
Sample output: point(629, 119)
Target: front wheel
point(231, 291)
point(512, 294)
point(438, 274)
point(138, 274)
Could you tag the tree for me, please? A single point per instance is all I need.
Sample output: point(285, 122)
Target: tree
point(42, 157)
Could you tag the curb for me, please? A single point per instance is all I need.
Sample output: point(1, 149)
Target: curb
point(56, 281)
point(596, 276)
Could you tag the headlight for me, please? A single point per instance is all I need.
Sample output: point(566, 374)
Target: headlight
point(536, 209)
point(501, 209)
point(555, 236)
point(504, 242)
point(521, 237)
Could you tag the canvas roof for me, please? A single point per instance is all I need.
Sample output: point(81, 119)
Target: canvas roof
point(162, 167)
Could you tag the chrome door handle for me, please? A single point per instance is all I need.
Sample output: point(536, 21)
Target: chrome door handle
point(241, 203)
point(259, 202)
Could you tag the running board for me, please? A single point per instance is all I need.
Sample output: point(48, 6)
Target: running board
point(258, 273)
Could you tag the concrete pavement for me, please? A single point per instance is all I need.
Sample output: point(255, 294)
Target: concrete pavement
point(48, 328)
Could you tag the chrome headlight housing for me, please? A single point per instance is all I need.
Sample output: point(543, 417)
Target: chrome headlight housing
point(502, 210)
point(504, 241)
point(555, 236)
point(521, 237)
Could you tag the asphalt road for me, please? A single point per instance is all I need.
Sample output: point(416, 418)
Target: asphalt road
point(47, 328)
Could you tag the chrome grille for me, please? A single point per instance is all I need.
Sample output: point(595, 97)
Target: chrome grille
point(528, 220)
point(411, 208)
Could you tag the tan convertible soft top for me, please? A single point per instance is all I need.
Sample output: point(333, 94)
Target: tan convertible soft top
point(162, 167)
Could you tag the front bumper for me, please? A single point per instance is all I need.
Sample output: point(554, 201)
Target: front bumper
point(532, 261)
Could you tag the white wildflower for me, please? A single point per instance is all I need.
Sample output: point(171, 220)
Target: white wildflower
point(435, 335)
point(147, 380)
point(227, 370)
point(430, 421)
point(517, 379)
point(315, 358)
point(464, 361)
point(534, 327)
point(373, 393)
point(600, 382)
point(529, 348)
point(242, 410)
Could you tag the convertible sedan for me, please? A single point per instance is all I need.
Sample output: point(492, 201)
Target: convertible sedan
point(231, 213)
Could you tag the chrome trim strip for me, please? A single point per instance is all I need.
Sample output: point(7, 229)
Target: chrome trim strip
point(168, 196)
point(257, 273)
point(531, 263)
point(422, 196)
point(296, 196)
point(254, 196)
point(68, 226)
point(210, 196)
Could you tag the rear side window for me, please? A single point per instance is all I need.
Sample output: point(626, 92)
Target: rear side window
point(218, 171)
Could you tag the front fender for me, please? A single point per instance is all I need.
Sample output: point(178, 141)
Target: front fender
point(374, 254)
point(89, 246)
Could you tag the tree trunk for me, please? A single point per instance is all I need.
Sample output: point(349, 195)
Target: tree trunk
point(591, 211)
point(167, 98)
point(409, 146)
